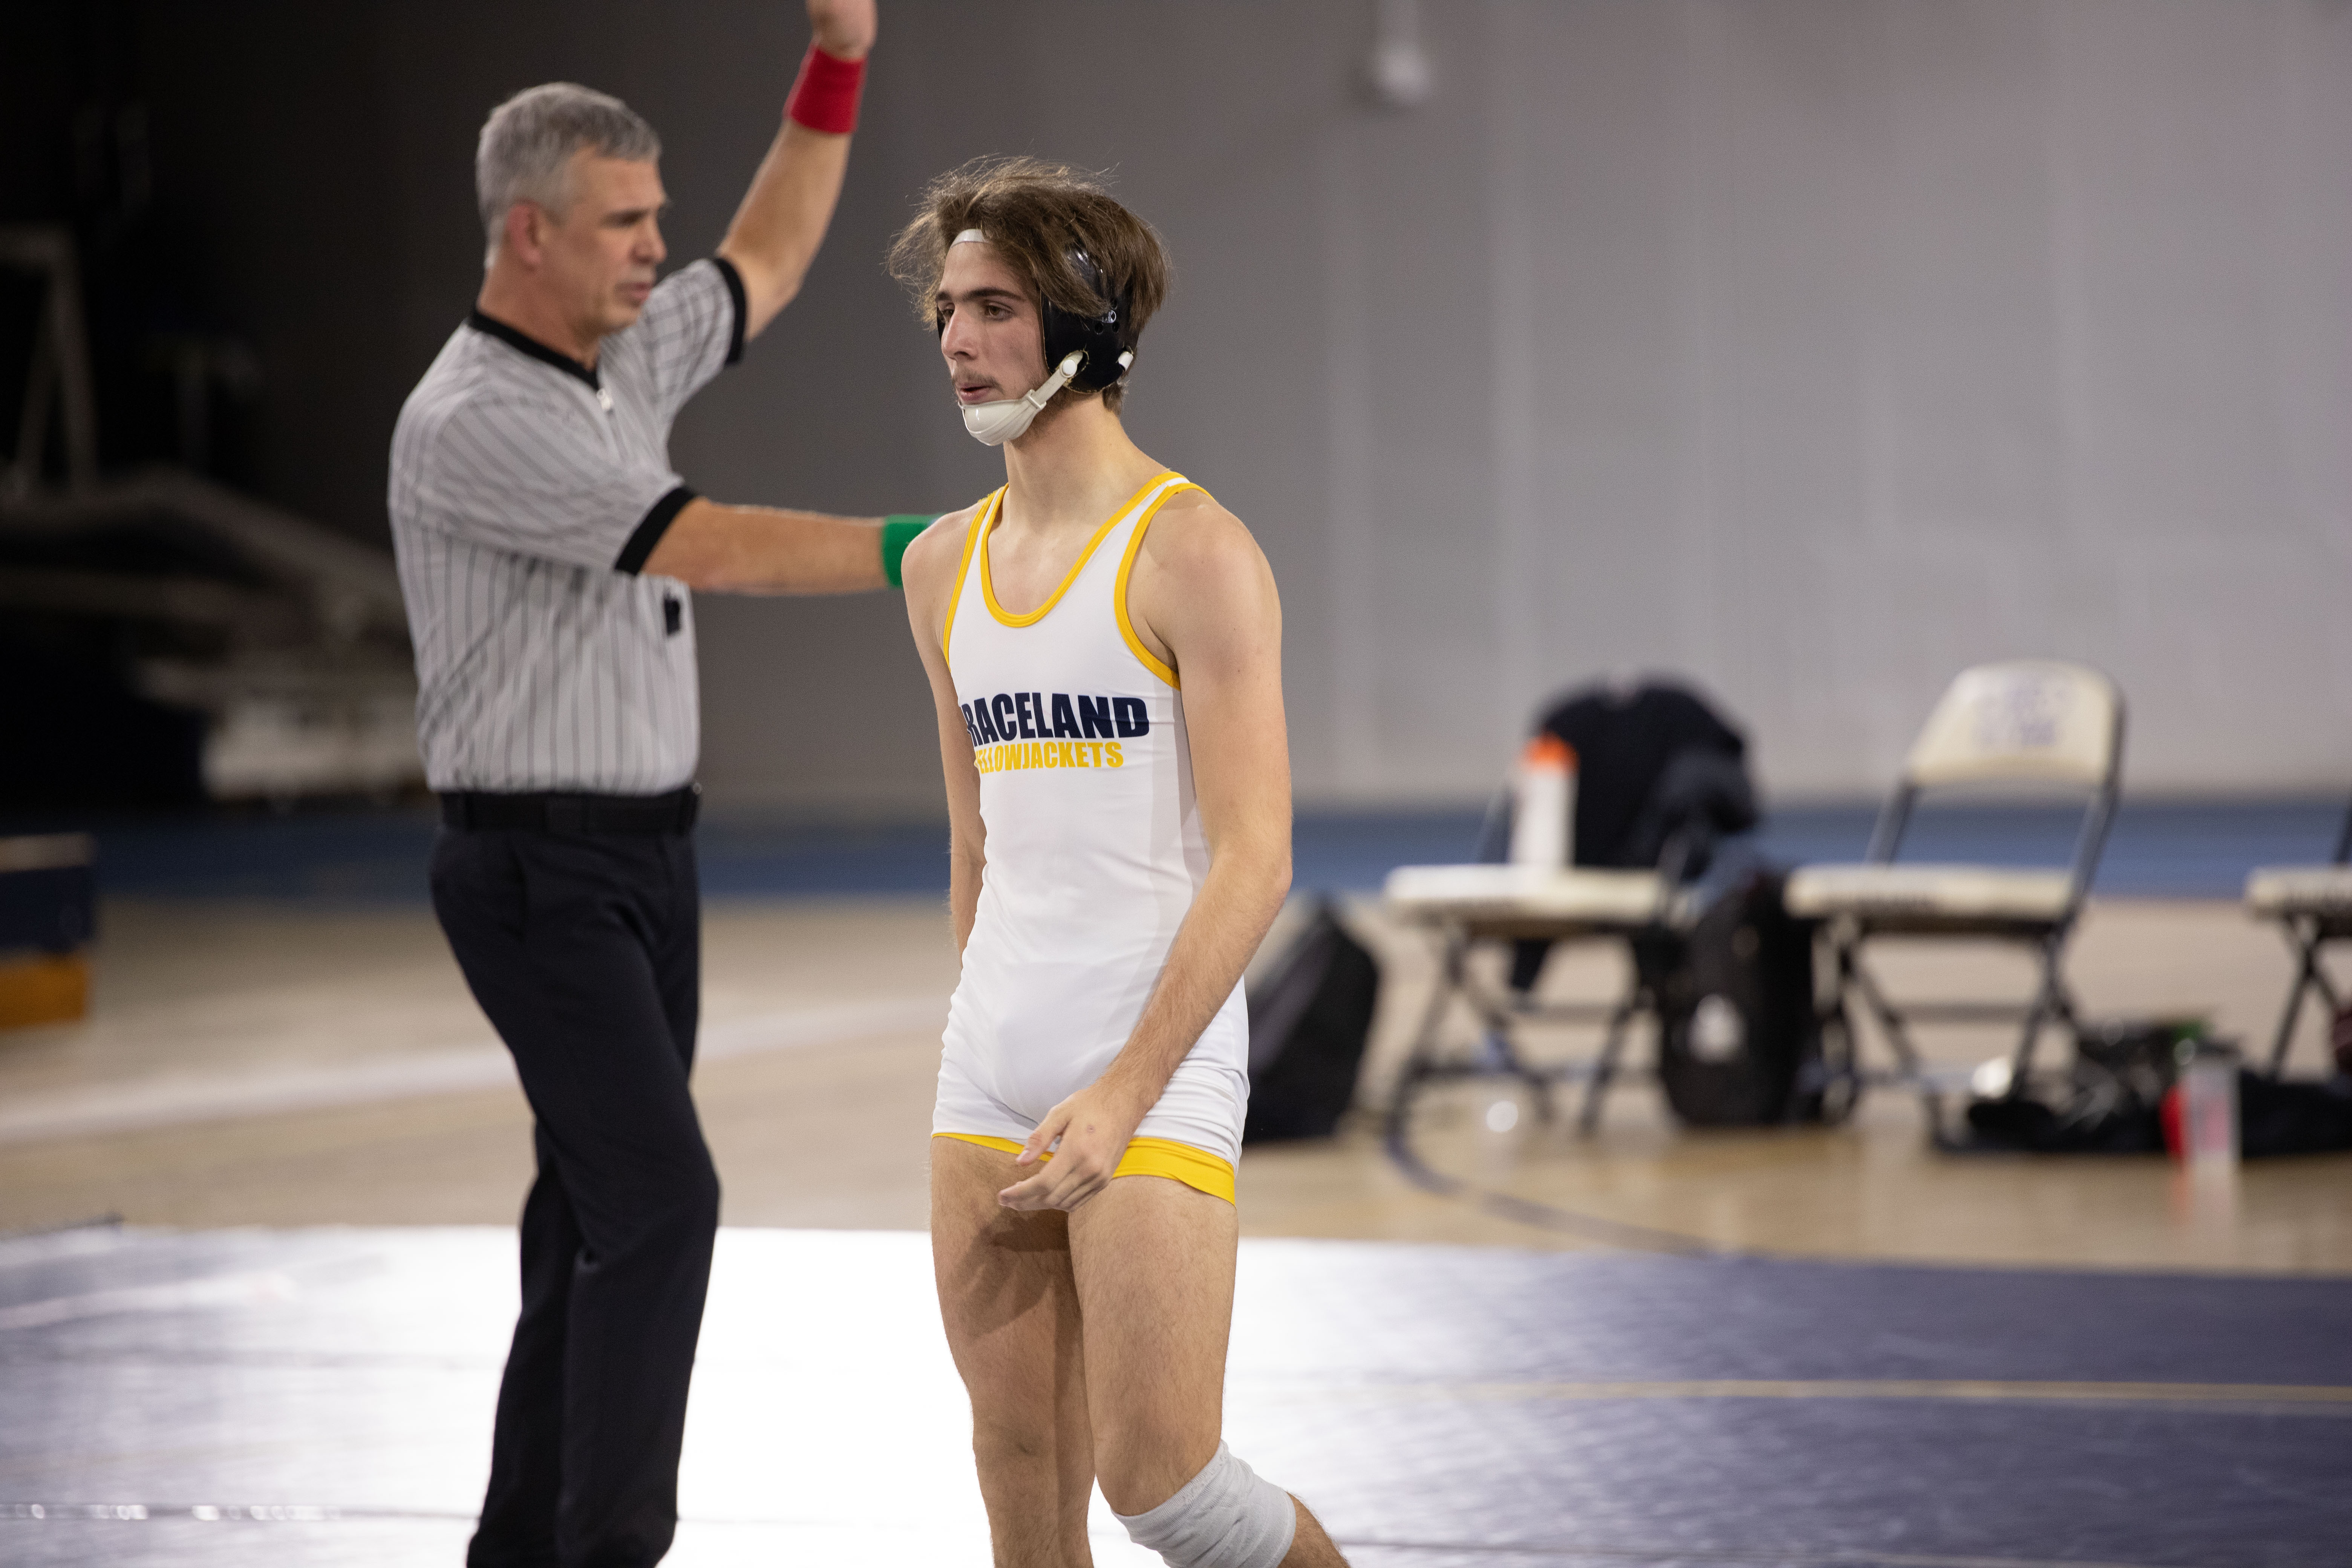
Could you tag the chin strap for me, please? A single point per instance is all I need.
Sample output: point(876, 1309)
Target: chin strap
point(994, 423)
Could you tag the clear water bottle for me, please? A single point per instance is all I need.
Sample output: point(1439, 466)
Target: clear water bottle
point(2209, 1109)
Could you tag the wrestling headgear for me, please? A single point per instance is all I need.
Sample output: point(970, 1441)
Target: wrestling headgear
point(1089, 353)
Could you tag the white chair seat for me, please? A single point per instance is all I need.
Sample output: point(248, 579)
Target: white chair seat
point(2281, 890)
point(1929, 892)
point(1526, 893)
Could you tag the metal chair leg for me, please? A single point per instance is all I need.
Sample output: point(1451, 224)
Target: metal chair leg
point(1844, 1067)
point(1605, 1067)
point(1889, 1019)
point(1502, 1046)
point(1846, 980)
point(1423, 1053)
point(2306, 941)
point(1841, 1082)
point(2285, 1038)
point(2049, 999)
point(1892, 1023)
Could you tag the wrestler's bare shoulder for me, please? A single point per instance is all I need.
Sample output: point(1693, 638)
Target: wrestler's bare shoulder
point(1196, 544)
point(1192, 533)
point(933, 554)
point(928, 571)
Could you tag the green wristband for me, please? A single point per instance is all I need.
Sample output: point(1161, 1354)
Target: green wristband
point(899, 531)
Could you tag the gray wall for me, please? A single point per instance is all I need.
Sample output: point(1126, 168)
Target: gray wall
point(1811, 348)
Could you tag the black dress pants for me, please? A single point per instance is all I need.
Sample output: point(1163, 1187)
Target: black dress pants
point(584, 949)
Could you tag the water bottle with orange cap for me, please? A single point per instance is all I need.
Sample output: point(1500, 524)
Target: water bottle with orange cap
point(1543, 804)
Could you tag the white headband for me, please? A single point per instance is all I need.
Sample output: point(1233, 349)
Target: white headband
point(969, 236)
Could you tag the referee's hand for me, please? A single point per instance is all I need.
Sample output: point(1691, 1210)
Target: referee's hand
point(844, 29)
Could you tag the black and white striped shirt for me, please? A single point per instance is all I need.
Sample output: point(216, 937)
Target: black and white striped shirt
point(526, 490)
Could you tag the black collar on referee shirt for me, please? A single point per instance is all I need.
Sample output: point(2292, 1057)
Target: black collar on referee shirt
point(525, 344)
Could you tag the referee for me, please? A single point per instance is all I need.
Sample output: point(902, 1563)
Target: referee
point(546, 548)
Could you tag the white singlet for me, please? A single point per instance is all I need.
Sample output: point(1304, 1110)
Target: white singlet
point(1094, 856)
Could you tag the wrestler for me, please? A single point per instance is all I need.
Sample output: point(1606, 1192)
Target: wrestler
point(1104, 643)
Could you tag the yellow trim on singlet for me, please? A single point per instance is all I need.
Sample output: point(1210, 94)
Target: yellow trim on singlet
point(1118, 591)
point(1196, 1168)
point(979, 526)
point(988, 583)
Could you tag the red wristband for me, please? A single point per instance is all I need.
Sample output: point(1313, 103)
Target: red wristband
point(825, 95)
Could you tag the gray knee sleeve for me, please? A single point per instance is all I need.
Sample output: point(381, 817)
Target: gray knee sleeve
point(1222, 1518)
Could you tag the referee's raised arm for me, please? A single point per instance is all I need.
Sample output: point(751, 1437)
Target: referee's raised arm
point(721, 549)
point(783, 220)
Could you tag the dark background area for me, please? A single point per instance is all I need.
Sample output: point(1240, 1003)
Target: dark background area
point(219, 194)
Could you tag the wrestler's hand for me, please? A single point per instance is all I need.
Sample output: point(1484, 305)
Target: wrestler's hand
point(1094, 1126)
point(844, 29)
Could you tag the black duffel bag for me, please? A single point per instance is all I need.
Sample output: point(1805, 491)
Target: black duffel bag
point(1308, 1022)
point(1740, 1044)
point(2287, 1117)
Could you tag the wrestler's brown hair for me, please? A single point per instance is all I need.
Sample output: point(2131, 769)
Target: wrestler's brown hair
point(1033, 212)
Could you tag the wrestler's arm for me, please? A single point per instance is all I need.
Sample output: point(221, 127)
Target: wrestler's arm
point(784, 215)
point(930, 572)
point(1203, 599)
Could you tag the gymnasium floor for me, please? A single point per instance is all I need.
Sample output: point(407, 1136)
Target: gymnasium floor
point(1782, 1347)
point(319, 1396)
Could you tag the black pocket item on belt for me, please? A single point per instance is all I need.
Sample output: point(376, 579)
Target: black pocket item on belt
point(476, 811)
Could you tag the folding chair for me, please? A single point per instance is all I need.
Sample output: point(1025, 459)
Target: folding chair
point(1670, 780)
point(2022, 723)
point(2312, 905)
point(1468, 905)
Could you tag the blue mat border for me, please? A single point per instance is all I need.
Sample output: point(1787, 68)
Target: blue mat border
point(2159, 848)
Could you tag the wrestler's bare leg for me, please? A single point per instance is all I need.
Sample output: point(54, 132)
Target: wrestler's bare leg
point(1135, 1388)
point(1154, 1264)
point(1011, 1307)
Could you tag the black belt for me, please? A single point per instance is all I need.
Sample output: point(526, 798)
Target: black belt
point(474, 810)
